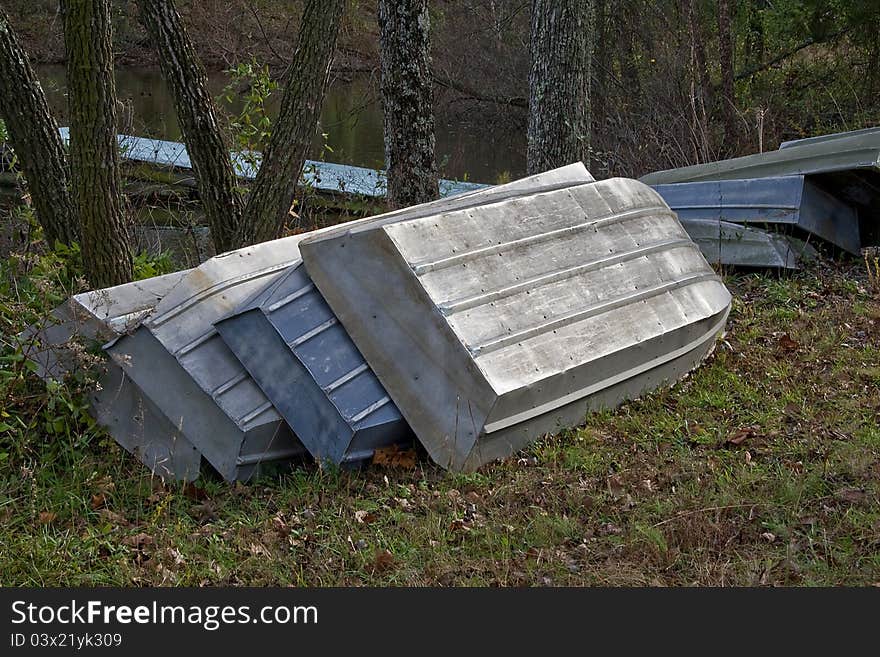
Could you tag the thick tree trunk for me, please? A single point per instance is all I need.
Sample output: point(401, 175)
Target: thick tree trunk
point(94, 153)
point(725, 56)
point(559, 83)
point(34, 136)
point(268, 205)
point(188, 82)
point(407, 101)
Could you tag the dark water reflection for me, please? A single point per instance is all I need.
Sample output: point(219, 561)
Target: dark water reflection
point(351, 118)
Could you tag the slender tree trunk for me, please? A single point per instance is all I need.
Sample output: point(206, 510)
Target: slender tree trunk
point(268, 205)
point(728, 97)
point(629, 70)
point(35, 139)
point(209, 153)
point(94, 153)
point(407, 101)
point(698, 41)
point(754, 33)
point(559, 83)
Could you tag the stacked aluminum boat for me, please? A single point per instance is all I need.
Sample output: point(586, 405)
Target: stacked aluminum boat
point(764, 209)
point(474, 324)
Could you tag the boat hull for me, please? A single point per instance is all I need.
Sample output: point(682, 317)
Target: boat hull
point(517, 305)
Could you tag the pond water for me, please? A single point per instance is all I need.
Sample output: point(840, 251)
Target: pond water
point(467, 148)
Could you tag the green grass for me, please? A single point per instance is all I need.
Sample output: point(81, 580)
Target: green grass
point(653, 493)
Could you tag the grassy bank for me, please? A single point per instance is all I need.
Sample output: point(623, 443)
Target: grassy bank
point(763, 467)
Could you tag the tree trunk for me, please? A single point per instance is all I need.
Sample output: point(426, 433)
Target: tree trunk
point(94, 153)
point(268, 205)
point(208, 151)
point(407, 101)
point(698, 53)
point(754, 33)
point(559, 83)
point(725, 56)
point(601, 62)
point(188, 82)
point(34, 136)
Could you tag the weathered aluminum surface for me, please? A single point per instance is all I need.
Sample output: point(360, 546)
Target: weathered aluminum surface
point(830, 137)
point(492, 325)
point(117, 403)
point(736, 245)
point(92, 317)
point(284, 253)
point(155, 397)
point(779, 201)
point(846, 166)
point(323, 176)
point(181, 363)
point(302, 358)
point(844, 153)
point(572, 174)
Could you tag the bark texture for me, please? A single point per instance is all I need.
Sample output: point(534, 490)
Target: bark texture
point(271, 197)
point(34, 136)
point(209, 153)
point(407, 101)
point(94, 153)
point(559, 83)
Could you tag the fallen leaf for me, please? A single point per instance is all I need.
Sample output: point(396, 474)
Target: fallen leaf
point(47, 517)
point(259, 550)
point(98, 501)
point(740, 436)
point(787, 344)
point(394, 457)
point(458, 525)
point(615, 485)
point(382, 561)
point(364, 517)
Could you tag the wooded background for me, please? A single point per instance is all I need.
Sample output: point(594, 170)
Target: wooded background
point(673, 82)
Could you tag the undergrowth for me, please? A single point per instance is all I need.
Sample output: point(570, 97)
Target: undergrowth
point(761, 468)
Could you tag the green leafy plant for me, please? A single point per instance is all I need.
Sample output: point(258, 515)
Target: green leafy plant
point(249, 122)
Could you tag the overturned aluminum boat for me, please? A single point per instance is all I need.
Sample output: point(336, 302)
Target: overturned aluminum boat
point(302, 358)
point(96, 317)
point(492, 325)
point(300, 355)
point(180, 363)
point(735, 245)
point(845, 165)
point(789, 207)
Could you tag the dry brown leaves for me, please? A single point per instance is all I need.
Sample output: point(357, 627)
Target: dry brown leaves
point(394, 457)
